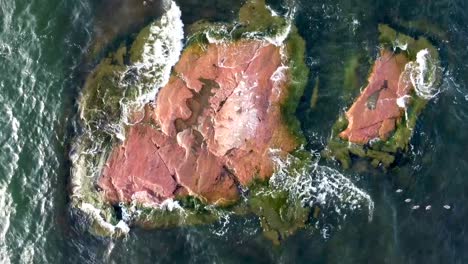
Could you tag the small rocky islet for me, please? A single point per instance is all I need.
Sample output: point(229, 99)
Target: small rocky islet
point(173, 135)
point(379, 124)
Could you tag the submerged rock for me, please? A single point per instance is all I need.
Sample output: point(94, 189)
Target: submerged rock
point(207, 134)
point(381, 120)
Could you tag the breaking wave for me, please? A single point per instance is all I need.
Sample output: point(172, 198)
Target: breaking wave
point(221, 33)
point(424, 75)
point(160, 52)
point(316, 185)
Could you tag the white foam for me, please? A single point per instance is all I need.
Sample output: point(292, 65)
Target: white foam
point(284, 32)
point(5, 49)
point(282, 35)
point(397, 44)
point(273, 12)
point(401, 101)
point(278, 78)
point(161, 52)
point(424, 74)
point(120, 228)
point(27, 253)
point(276, 39)
point(220, 30)
point(6, 202)
point(224, 220)
point(316, 185)
point(280, 74)
point(171, 205)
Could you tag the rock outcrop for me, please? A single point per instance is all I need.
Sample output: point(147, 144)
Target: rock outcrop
point(380, 122)
point(211, 128)
point(375, 112)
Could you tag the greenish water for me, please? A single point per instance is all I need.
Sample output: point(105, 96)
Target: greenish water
point(44, 56)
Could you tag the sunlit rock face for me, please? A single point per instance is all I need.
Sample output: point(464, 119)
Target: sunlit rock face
point(210, 129)
point(375, 112)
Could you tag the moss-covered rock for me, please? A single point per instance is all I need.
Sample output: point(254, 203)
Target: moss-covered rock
point(279, 214)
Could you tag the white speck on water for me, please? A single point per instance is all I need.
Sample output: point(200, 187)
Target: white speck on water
point(399, 191)
point(415, 207)
point(355, 24)
point(428, 207)
point(447, 207)
point(408, 200)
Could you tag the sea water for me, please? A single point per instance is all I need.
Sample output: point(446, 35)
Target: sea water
point(418, 212)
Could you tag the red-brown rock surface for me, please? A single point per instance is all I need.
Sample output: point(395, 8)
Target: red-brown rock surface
point(211, 129)
point(375, 113)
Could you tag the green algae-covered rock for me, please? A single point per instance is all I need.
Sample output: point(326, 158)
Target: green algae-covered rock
point(280, 215)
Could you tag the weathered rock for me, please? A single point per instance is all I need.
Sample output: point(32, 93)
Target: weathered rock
point(214, 124)
point(137, 170)
point(375, 111)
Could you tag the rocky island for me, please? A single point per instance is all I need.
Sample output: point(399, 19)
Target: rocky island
point(166, 136)
point(380, 122)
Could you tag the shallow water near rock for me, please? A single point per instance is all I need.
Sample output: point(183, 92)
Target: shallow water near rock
point(419, 208)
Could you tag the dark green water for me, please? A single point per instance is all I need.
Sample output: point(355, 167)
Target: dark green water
point(44, 50)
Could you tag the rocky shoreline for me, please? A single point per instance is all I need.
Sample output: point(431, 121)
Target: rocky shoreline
point(208, 134)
